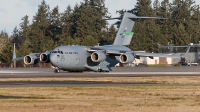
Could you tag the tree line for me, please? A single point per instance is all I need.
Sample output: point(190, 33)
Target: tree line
point(83, 25)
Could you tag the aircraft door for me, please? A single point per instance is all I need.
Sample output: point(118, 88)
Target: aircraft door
point(62, 58)
point(58, 58)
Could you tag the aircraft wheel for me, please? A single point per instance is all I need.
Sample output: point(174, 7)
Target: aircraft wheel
point(56, 71)
point(105, 71)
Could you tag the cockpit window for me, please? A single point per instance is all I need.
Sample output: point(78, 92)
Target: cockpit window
point(60, 52)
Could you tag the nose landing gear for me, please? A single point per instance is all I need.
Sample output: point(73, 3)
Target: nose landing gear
point(56, 71)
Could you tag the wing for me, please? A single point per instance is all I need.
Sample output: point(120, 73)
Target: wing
point(35, 55)
point(135, 53)
point(22, 57)
point(108, 51)
point(18, 58)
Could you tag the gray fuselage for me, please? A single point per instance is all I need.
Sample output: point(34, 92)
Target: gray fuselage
point(78, 58)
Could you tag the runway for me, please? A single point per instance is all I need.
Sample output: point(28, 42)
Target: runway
point(80, 84)
point(117, 72)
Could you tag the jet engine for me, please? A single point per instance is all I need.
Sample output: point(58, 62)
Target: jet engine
point(45, 58)
point(126, 58)
point(30, 59)
point(98, 56)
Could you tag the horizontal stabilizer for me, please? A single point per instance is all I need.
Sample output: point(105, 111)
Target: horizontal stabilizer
point(140, 17)
point(136, 17)
point(113, 18)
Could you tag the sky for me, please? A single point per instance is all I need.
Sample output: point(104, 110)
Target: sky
point(12, 11)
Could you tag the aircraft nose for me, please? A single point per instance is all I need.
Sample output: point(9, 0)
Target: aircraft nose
point(53, 59)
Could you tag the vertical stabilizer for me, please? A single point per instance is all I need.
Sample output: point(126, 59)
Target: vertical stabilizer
point(125, 34)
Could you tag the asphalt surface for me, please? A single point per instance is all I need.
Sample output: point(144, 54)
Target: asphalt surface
point(117, 72)
point(80, 84)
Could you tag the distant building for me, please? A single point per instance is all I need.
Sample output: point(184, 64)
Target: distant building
point(155, 60)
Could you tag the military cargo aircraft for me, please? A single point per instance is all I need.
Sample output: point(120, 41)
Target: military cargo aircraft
point(76, 58)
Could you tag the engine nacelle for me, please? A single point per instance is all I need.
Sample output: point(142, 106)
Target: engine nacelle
point(126, 58)
point(45, 58)
point(98, 56)
point(30, 59)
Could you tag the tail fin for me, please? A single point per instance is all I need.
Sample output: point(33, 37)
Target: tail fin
point(125, 34)
point(187, 51)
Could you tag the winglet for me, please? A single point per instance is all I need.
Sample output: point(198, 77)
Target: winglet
point(14, 53)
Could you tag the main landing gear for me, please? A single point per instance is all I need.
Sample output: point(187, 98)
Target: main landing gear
point(74, 71)
point(102, 71)
point(71, 71)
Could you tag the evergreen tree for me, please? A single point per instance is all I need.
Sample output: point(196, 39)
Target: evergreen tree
point(55, 28)
point(89, 41)
point(20, 35)
point(195, 19)
point(39, 33)
point(3, 39)
point(16, 37)
point(67, 26)
point(99, 12)
point(112, 34)
point(87, 19)
point(7, 54)
point(83, 23)
point(165, 25)
point(144, 8)
point(147, 33)
point(182, 26)
point(109, 36)
point(24, 28)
